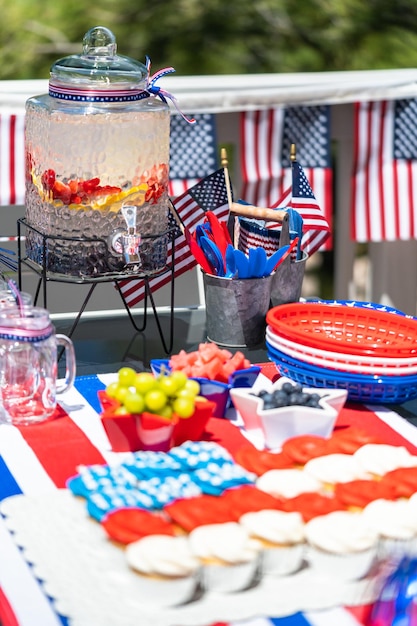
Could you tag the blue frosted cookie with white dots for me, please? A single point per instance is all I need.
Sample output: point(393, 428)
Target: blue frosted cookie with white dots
point(92, 478)
point(214, 479)
point(193, 455)
point(166, 489)
point(101, 502)
point(146, 464)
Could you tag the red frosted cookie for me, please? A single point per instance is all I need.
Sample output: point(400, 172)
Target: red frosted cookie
point(130, 524)
point(189, 513)
point(305, 447)
point(359, 493)
point(348, 440)
point(311, 505)
point(403, 481)
point(260, 461)
point(248, 499)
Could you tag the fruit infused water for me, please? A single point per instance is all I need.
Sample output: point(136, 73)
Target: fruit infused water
point(99, 140)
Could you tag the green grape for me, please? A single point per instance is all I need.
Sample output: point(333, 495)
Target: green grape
point(121, 410)
point(183, 407)
point(155, 400)
point(120, 394)
point(179, 377)
point(126, 376)
point(144, 382)
point(111, 389)
point(186, 393)
point(168, 385)
point(167, 411)
point(134, 402)
point(193, 386)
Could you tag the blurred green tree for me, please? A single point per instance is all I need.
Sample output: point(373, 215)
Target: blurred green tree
point(215, 37)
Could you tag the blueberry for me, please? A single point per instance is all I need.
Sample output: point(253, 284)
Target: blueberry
point(280, 398)
point(290, 394)
point(262, 393)
point(287, 388)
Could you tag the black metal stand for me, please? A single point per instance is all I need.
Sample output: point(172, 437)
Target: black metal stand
point(116, 277)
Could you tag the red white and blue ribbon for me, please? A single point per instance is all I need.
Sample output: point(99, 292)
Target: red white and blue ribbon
point(73, 93)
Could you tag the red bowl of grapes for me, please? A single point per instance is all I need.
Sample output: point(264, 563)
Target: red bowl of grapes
point(141, 411)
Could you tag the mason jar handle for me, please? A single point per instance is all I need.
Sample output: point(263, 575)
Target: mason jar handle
point(70, 369)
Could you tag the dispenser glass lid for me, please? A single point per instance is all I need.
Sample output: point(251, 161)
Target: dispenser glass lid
point(99, 65)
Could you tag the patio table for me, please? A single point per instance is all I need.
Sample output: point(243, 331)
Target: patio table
point(37, 461)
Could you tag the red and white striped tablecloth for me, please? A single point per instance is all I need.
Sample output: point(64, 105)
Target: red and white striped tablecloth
point(39, 459)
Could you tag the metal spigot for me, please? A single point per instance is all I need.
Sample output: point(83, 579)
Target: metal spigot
point(131, 239)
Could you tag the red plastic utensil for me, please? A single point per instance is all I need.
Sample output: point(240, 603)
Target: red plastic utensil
point(291, 247)
point(218, 233)
point(197, 252)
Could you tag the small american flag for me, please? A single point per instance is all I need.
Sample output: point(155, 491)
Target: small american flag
point(384, 187)
point(12, 159)
point(210, 194)
point(192, 152)
point(300, 196)
point(268, 177)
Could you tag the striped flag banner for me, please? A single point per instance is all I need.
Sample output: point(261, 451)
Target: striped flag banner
point(266, 138)
point(384, 179)
point(12, 159)
point(210, 194)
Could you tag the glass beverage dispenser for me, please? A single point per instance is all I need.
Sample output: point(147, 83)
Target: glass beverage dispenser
point(97, 161)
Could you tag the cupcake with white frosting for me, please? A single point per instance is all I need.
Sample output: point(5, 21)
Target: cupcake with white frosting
point(288, 483)
point(378, 459)
point(396, 523)
point(230, 557)
point(335, 468)
point(341, 544)
point(282, 538)
point(169, 572)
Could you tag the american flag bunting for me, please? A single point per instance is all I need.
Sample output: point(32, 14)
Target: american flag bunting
point(12, 159)
point(384, 180)
point(266, 138)
point(192, 152)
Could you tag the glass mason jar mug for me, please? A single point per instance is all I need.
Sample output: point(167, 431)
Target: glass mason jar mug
point(29, 365)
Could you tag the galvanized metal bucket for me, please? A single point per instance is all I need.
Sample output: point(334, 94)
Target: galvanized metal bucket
point(288, 281)
point(236, 309)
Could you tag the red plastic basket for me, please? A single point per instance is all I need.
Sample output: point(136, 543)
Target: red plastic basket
point(345, 329)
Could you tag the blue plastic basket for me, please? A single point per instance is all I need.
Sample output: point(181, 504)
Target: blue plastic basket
point(360, 387)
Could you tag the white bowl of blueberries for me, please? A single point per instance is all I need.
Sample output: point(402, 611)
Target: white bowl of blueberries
point(286, 409)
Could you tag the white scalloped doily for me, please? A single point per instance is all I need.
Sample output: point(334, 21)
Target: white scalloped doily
point(90, 582)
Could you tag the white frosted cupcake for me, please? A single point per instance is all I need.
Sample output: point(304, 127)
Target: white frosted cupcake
point(282, 538)
point(288, 483)
point(396, 523)
point(229, 556)
point(341, 544)
point(335, 468)
point(379, 459)
point(169, 572)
